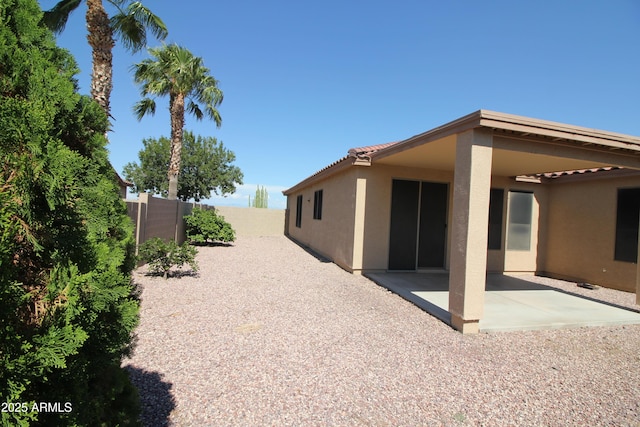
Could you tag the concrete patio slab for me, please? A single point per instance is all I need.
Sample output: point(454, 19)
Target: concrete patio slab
point(512, 303)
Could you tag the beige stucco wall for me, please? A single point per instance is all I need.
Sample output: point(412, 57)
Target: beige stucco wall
point(581, 233)
point(378, 217)
point(338, 233)
point(254, 221)
point(573, 227)
point(333, 235)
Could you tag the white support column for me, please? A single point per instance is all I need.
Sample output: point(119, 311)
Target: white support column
point(472, 182)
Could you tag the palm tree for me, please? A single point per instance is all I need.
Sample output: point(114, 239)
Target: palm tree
point(174, 71)
point(130, 22)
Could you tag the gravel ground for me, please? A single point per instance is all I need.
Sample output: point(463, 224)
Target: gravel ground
point(268, 335)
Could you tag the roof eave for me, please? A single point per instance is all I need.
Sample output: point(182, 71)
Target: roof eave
point(470, 121)
point(558, 131)
point(337, 166)
point(523, 125)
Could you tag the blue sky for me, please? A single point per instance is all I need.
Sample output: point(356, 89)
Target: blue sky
point(305, 81)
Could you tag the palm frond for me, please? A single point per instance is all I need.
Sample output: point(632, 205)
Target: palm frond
point(118, 3)
point(131, 33)
point(174, 70)
point(150, 21)
point(56, 18)
point(209, 92)
point(214, 114)
point(132, 25)
point(194, 109)
point(151, 75)
point(143, 107)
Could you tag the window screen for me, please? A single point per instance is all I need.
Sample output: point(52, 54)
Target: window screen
point(520, 217)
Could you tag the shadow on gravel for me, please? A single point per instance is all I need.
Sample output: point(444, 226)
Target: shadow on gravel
point(212, 244)
point(156, 400)
point(310, 251)
point(174, 274)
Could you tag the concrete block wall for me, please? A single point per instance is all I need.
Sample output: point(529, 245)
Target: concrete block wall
point(254, 221)
point(156, 217)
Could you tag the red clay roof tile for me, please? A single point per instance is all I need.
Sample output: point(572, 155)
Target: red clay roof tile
point(369, 149)
point(552, 175)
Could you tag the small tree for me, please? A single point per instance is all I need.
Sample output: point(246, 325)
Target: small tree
point(261, 200)
point(205, 225)
point(163, 256)
point(206, 166)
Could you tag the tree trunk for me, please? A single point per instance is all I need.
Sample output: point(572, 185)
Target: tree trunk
point(176, 105)
point(100, 38)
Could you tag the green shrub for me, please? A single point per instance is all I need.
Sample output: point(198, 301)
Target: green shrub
point(67, 304)
point(205, 226)
point(162, 256)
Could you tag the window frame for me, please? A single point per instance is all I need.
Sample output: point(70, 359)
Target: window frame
point(627, 224)
point(496, 218)
point(317, 204)
point(299, 211)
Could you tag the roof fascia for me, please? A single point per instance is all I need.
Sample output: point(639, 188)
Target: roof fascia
point(336, 167)
point(558, 131)
point(470, 121)
point(524, 125)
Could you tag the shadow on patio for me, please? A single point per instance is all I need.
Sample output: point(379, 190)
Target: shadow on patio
point(511, 303)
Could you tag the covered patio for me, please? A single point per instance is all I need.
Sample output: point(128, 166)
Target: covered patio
point(488, 192)
point(511, 302)
point(476, 149)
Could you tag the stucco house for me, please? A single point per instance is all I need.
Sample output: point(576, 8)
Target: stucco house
point(488, 192)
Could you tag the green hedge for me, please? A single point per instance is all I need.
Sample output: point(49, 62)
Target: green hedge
point(205, 225)
point(68, 308)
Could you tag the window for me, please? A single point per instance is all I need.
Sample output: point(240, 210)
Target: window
point(520, 217)
point(627, 217)
point(317, 205)
point(299, 211)
point(496, 204)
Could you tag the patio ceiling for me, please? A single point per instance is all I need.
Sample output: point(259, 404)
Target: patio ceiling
point(441, 154)
point(521, 146)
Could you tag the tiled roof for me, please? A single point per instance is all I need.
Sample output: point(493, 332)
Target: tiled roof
point(365, 151)
point(552, 175)
point(356, 152)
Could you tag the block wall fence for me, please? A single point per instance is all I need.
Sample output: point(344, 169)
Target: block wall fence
point(156, 217)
